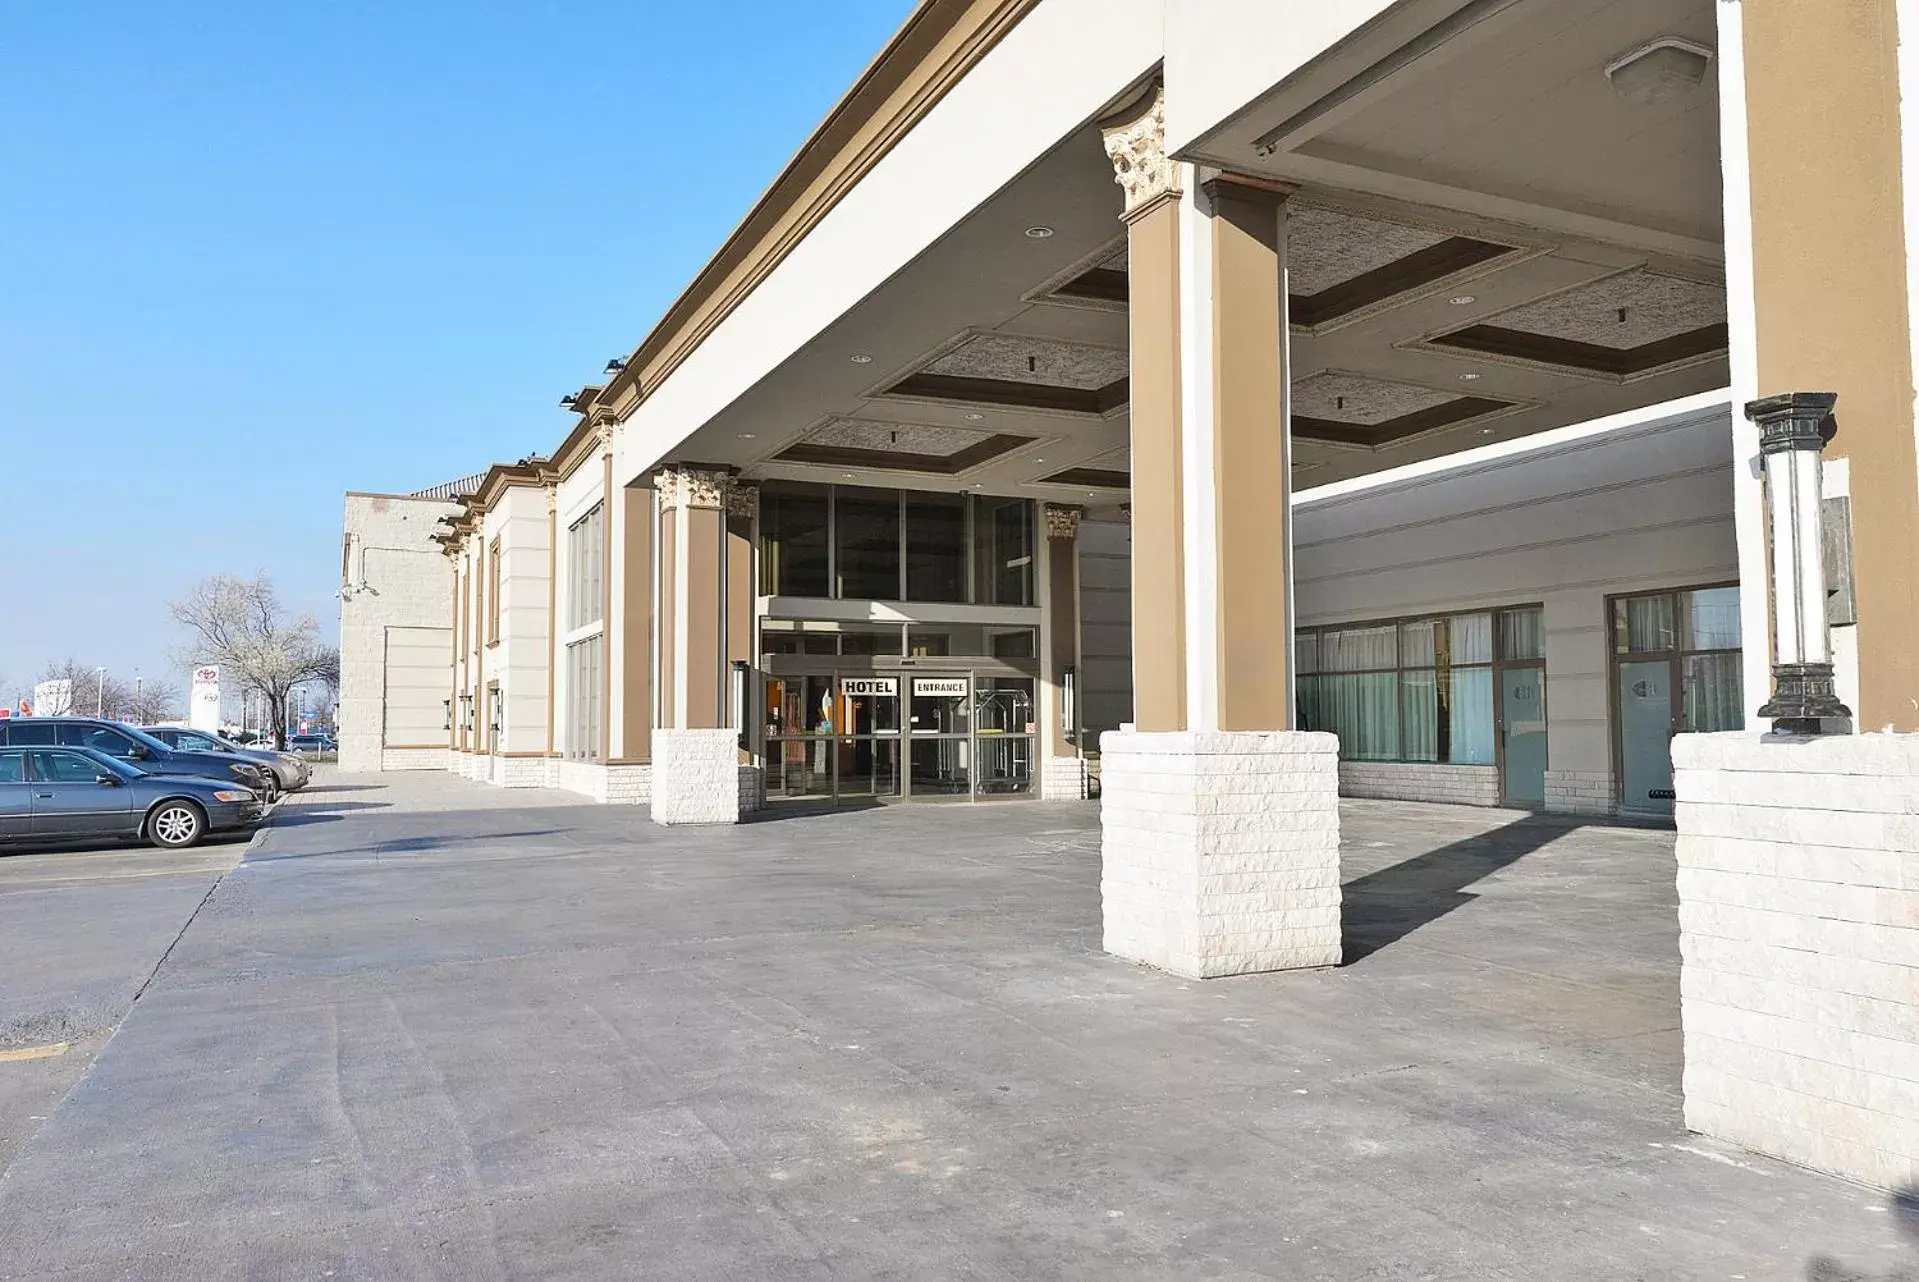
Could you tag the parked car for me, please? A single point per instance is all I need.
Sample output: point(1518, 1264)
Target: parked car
point(83, 794)
point(310, 743)
point(135, 747)
point(289, 770)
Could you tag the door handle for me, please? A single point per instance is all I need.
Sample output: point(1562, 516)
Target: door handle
point(44, 796)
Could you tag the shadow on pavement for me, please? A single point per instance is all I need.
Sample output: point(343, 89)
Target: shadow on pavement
point(403, 845)
point(1904, 1206)
point(775, 811)
point(331, 812)
point(1384, 907)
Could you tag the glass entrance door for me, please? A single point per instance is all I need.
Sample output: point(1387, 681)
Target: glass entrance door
point(1522, 735)
point(869, 741)
point(940, 729)
point(1006, 723)
point(1676, 670)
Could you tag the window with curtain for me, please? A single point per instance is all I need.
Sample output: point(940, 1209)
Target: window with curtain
point(585, 557)
point(1415, 691)
point(585, 685)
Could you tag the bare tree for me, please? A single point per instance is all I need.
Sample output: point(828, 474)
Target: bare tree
point(152, 702)
point(240, 625)
point(95, 692)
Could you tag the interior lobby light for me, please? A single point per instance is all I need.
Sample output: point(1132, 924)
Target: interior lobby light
point(1038, 233)
point(1659, 70)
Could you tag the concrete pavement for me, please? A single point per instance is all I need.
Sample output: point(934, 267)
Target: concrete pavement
point(437, 1030)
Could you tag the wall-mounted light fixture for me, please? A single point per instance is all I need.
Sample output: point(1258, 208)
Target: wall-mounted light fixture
point(497, 719)
point(1793, 430)
point(738, 701)
point(568, 401)
point(446, 708)
point(615, 365)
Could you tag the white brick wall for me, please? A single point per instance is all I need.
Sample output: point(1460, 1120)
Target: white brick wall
point(1063, 779)
point(696, 777)
point(621, 785)
point(1799, 942)
point(1220, 852)
point(413, 759)
point(1420, 781)
point(1579, 792)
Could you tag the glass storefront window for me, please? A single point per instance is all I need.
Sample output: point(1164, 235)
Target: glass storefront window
point(1415, 691)
point(793, 524)
point(1712, 619)
point(1002, 551)
point(936, 547)
point(1644, 625)
point(867, 543)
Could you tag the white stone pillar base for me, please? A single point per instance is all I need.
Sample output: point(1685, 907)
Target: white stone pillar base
point(696, 777)
point(1799, 947)
point(1220, 852)
point(1063, 779)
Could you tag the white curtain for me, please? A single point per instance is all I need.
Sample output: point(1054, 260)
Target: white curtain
point(1472, 638)
point(1471, 699)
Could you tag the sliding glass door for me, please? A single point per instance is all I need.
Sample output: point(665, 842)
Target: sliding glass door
point(1676, 670)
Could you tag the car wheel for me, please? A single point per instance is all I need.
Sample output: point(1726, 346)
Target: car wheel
point(176, 825)
point(270, 786)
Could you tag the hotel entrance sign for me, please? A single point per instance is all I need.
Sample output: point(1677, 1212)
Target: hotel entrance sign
point(939, 687)
point(881, 687)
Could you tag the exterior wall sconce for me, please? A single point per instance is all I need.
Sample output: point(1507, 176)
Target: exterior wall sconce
point(1793, 430)
point(466, 713)
point(497, 720)
point(446, 708)
point(741, 676)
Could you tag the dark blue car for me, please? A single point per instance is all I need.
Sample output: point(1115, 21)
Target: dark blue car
point(82, 794)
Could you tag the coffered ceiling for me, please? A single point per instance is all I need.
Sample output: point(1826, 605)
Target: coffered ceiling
point(1483, 245)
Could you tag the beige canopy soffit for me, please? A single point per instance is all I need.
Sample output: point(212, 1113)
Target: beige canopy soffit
point(938, 45)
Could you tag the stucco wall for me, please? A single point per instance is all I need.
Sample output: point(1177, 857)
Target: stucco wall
point(409, 587)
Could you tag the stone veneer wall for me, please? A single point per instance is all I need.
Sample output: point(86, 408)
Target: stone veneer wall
point(1063, 779)
point(413, 759)
point(618, 785)
point(1799, 944)
point(1580, 792)
point(696, 777)
point(1420, 781)
point(1220, 852)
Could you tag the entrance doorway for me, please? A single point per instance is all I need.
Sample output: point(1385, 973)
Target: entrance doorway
point(1676, 670)
point(906, 735)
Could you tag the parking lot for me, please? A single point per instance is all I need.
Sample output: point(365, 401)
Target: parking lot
point(438, 1030)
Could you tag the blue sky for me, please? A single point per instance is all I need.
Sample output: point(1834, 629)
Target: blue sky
point(253, 255)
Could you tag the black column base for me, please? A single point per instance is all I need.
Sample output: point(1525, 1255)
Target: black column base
point(1803, 698)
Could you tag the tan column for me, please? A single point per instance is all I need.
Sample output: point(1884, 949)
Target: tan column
point(636, 629)
point(693, 501)
point(607, 655)
point(669, 613)
point(1062, 618)
point(453, 706)
point(1250, 478)
point(1830, 310)
point(1151, 184)
point(552, 603)
point(742, 510)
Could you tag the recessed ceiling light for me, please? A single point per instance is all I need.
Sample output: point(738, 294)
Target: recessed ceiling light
point(847, 475)
point(1469, 378)
point(1485, 431)
point(1460, 300)
point(1038, 233)
point(1039, 460)
point(860, 358)
point(974, 418)
point(746, 436)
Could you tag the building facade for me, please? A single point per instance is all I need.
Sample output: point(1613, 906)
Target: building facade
point(1242, 404)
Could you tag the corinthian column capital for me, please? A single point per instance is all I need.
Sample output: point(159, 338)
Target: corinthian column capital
point(1062, 521)
point(1141, 167)
point(691, 487)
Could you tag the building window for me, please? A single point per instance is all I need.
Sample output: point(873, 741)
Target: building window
point(866, 544)
point(1002, 551)
point(793, 540)
point(585, 558)
point(493, 592)
point(585, 684)
point(1417, 690)
point(855, 543)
